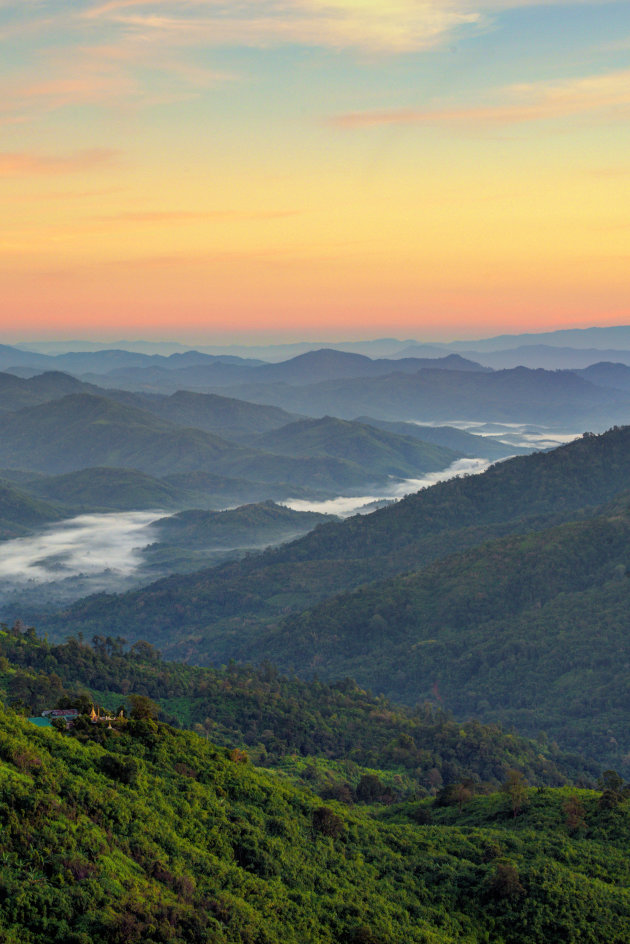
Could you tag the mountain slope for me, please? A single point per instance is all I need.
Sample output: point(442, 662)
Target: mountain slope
point(83, 430)
point(245, 526)
point(449, 437)
point(529, 630)
point(213, 615)
point(225, 416)
point(277, 717)
point(106, 489)
point(519, 395)
point(146, 834)
point(378, 450)
point(20, 512)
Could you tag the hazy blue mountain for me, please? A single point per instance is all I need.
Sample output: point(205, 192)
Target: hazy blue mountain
point(468, 444)
point(509, 396)
point(606, 374)
point(17, 392)
point(225, 416)
point(615, 336)
point(20, 513)
point(548, 357)
point(14, 357)
point(378, 450)
point(104, 360)
point(308, 368)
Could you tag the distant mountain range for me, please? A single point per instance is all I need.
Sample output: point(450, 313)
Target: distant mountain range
point(610, 337)
point(166, 436)
point(555, 398)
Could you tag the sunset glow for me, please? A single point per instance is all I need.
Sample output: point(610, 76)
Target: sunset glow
point(204, 169)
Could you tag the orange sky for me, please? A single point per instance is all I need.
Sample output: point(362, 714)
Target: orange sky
point(201, 170)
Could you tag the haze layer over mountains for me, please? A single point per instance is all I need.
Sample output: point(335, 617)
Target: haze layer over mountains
point(187, 465)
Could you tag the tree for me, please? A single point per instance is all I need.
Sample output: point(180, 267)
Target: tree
point(328, 823)
point(505, 881)
point(515, 788)
point(613, 790)
point(574, 812)
point(143, 707)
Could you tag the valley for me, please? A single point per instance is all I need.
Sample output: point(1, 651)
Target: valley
point(397, 621)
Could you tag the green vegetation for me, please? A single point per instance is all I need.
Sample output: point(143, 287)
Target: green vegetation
point(529, 631)
point(106, 489)
point(141, 833)
point(380, 451)
point(193, 539)
point(275, 717)
point(222, 613)
point(19, 513)
point(82, 431)
point(232, 419)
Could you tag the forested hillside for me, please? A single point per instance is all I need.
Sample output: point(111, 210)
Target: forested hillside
point(274, 716)
point(528, 630)
point(221, 612)
point(139, 833)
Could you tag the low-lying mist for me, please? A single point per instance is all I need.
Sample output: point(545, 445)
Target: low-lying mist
point(88, 544)
point(344, 507)
point(95, 553)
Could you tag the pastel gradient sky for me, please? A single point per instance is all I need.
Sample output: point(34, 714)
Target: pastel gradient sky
point(210, 170)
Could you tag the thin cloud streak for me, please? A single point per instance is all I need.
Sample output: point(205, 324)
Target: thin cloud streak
point(530, 102)
point(398, 26)
point(185, 216)
point(22, 164)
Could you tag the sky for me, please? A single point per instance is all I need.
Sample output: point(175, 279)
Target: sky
point(287, 169)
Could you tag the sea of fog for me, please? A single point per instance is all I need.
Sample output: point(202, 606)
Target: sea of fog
point(91, 553)
point(96, 553)
point(88, 544)
point(344, 507)
point(516, 434)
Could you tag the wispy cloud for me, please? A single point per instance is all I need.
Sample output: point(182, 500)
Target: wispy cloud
point(371, 25)
point(375, 26)
point(187, 216)
point(22, 164)
point(520, 103)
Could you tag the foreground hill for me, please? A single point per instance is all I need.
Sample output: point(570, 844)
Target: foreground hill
point(145, 834)
point(276, 717)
